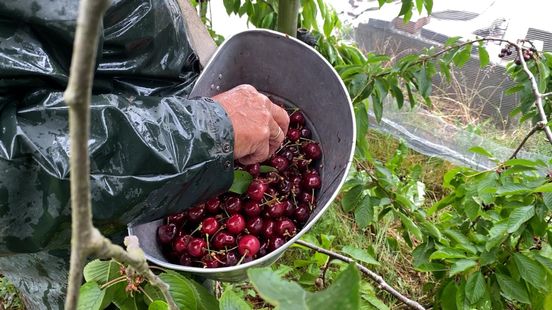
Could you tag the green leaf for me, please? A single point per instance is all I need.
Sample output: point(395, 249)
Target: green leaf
point(446, 299)
point(343, 294)
point(242, 179)
point(475, 287)
point(267, 21)
point(187, 293)
point(278, 292)
point(101, 271)
point(520, 162)
point(364, 213)
point(497, 234)
point(544, 72)
point(229, 6)
point(360, 255)
point(424, 82)
point(514, 89)
point(351, 198)
point(231, 301)
point(152, 292)
point(419, 6)
point(546, 188)
point(181, 291)
point(531, 271)
point(481, 151)
point(512, 289)
point(519, 216)
point(429, 6)
point(158, 305)
point(447, 253)
point(91, 296)
point(462, 56)
point(410, 226)
point(265, 169)
point(461, 265)
point(483, 55)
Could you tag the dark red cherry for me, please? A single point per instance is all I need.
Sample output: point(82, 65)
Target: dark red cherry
point(276, 242)
point(235, 224)
point(276, 210)
point(213, 205)
point(210, 262)
point(306, 197)
point(177, 219)
point(285, 228)
point(230, 258)
point(302, 213)
point(180, 244)
point(279, 162)
point(284, 187)
point(312, 150)
point(311, 181)
point(290, 208)
point(233, 205)
point(293, 134)
point(209, 226)
point(268, 228)
point(196, 214)
point(185, 260)
point(297, 119)
point(248, 245)
point(222, 240)
point(166, 233)
point(252, 209)
point(302, 164)
point(256, 190)
point(287, 154)
point(255, 226)
point(253, 169)
point(197, 247)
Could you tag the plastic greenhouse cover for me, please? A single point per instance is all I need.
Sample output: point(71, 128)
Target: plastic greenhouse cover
point(432, 136)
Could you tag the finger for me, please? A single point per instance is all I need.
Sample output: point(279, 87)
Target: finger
point(277, 136)
point(280, 116)
point(260, 154)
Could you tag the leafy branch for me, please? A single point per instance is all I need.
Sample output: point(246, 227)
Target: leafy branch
point(86, 240)
point(372, 275)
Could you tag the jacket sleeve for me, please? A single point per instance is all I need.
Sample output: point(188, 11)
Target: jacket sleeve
point(153, 151)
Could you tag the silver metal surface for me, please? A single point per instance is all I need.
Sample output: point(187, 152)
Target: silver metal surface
point(289, 71)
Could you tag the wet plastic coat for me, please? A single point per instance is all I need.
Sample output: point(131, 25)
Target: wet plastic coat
point(153, 151)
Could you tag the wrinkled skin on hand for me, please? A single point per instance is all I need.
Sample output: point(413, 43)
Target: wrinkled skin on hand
point(260, 126)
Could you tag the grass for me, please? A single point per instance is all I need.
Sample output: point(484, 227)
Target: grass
point(9, 298)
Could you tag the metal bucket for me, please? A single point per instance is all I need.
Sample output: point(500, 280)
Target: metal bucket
point(287, 70)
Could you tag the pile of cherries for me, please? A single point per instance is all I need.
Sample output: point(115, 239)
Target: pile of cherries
point(232, 229)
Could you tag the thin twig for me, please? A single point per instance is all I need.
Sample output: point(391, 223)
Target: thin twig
point(372, 275)
point(539, 126)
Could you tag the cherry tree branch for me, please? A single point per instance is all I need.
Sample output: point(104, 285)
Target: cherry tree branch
point(86, 240)
point(372, 275)
point(539, 126)
point(538, 96)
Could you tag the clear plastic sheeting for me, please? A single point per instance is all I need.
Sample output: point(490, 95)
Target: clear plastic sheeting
point(432, 136)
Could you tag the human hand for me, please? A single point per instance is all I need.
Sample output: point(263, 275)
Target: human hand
point(260, 126)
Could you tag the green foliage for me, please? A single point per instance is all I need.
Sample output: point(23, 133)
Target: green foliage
point(242, 179)
point(108, 283)
point(344, 293)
